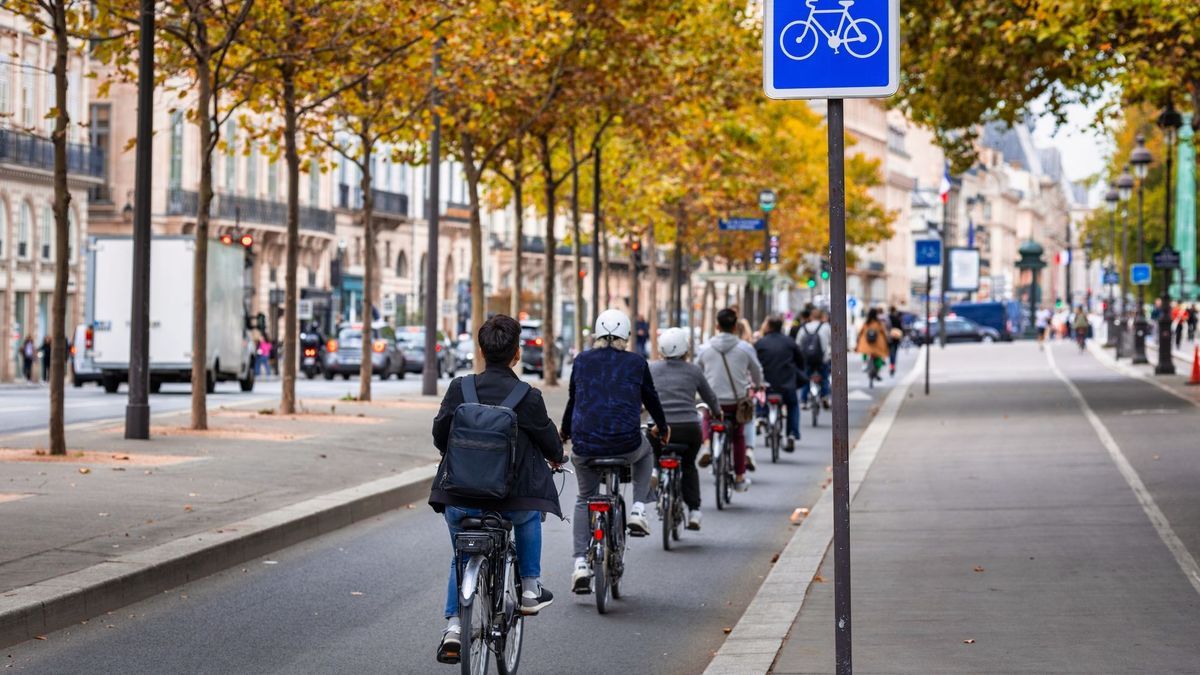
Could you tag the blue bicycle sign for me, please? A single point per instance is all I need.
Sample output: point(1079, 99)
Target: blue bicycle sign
point(831, 48)
point(862, 38)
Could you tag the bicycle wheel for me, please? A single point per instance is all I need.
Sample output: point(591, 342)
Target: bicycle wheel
point(798, 40)
point(816, 406)
point(680, 516)
point(727, 471)
point(776, 436)
point(475, 618)
point(666, 507)
point(616, 553)
point(600, 581)
point(863, 32)
point(508, 650)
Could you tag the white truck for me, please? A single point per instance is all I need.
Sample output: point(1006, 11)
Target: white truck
point(109, 305)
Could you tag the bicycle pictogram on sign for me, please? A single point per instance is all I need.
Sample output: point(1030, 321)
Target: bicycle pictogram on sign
point(861, 37)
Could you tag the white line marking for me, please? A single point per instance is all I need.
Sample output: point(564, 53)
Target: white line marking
point(1182, 556)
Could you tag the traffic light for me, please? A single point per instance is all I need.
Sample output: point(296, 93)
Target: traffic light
point(582, 273)
point(758, 257)
point(246, 241)
point(824, 270)
point(812, 283)
point(773, 249)
point(635, 253)
point(227, 239)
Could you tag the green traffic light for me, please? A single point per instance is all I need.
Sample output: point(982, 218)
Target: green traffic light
point(824, 275)
point(812, 283)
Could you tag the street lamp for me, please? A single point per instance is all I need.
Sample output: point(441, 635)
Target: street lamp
point(1140, 159)
point(1125, 189)
point(1169, 121)
point(1112, 198)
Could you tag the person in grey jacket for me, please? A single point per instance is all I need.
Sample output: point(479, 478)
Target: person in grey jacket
point(678, 382)
point(730, 384)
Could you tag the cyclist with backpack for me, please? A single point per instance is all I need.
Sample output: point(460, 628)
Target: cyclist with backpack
point(872, 344)
point(609, 386)
point(782, 363)
point(678, 383)
point(731, 367)
point(510, 476)
point(815, 340)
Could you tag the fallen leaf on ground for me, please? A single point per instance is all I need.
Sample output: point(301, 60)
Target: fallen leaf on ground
point(978, 568)
point(120, 456)
point(817, 578)
point(84, 469)
point(39, 637)
point(798, 515)
point(726, 631)
point(187, 507)
point(969, 641)
point(774, 558)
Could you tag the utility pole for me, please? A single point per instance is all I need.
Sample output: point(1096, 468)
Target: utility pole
point(137, 411)
point(597, 233)
point(429, 375)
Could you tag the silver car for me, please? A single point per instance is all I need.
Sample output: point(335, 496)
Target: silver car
point(343, 356)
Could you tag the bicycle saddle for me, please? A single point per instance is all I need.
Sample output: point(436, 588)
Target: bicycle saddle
point(488, 520)
point(606, 462)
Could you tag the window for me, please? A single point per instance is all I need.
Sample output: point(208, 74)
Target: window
point(27, 86)
point(71, 230)
point(24, 226)
point(387, 250)
point(175, 179)
point(896, 141)
point(100, 131)
point(402, 265)
point(230, 156)
point(252, 172)
point(314, 183)
point(273, 180)
point(46, 238)
point(3, 228)
point(5, 86)
point(312, 277)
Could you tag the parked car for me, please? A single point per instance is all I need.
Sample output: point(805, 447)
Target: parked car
point(995, 315)
point(343, 355)
point(412, 338)
point(464, 352)
point(533, 347)
point(958, 329)
point(83, 367)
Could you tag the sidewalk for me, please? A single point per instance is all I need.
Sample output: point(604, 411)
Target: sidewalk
point(255, 482)
point(997, 532)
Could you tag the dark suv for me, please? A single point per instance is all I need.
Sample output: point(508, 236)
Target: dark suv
point(343, 356)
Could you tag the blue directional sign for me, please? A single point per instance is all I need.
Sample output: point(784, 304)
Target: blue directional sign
point(831, 48)
point(1139, 274)
point(1112, 278)
point(742, 224)
point(929, 253)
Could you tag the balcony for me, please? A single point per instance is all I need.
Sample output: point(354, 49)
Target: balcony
point(232, 207)
point(390, 203)
point(37, 152)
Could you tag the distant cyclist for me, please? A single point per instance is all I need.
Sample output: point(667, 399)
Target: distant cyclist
point(678, 383)
point(609, 386)
point(1080, 326)
point(872, 344)
point(815, 340)
point(731, 367)
point(782, 363)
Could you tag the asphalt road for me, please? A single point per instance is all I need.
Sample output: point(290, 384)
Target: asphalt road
point(368, 599)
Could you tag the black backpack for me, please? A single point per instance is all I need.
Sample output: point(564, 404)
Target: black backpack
point(810, 347)
point(481, 454)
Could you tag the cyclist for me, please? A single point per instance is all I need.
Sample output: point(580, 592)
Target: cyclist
point(1081, 325)
point(678, 382)
point(730, 385)
point(782, 364)
point(609, 386)
point(532, 492)
point(872, 344)
point(815, 340)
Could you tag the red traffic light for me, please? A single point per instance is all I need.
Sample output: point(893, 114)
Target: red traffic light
point(246, 240)
point(227, 239)
point(582, 273)
point(635, 245)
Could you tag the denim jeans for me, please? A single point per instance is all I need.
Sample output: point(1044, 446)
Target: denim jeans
point(527, 533)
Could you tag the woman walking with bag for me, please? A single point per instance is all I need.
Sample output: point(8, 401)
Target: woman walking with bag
point(873, 345)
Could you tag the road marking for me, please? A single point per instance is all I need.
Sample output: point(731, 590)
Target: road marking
point(1182, 556)
point(755, 641)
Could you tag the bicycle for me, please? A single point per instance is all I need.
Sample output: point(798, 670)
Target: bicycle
point(670, 494)
point(774, 425)
point(849, 33)
point(721, 447)
point(814, 396)
point(606, 519)
point(489, 595)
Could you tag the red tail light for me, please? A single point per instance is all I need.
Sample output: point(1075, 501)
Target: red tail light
point(598, 507)
point(719, 428)
point(775, 399)
point(89, 338)
point(309, 351)
point(598, 534)
point(379, 346)
point(669, 463)
point(72, 350)
point(331, 346)
point(437, 348)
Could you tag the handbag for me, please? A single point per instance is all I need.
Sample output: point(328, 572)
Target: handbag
point(744, 412)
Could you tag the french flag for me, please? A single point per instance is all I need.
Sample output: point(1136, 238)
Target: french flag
point(944, 191)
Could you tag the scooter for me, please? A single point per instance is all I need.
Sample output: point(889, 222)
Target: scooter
point(312, 359)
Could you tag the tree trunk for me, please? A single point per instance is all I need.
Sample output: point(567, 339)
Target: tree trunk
point(518, 186)
point(607, 264)
point(652, 293)
point(549, 357)
point(204, 116)
point(473, 172)
point(368, 210)
point(577, 251)
point(62, 201)
point(287, 402)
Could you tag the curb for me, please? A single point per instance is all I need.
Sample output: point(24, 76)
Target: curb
point(755, 641)
point(56, 603)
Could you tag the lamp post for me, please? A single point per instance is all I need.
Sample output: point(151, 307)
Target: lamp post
point(1125, 192)
point(1140, 158)
point(1111, 198)
point(1087, 271)
point(1169, 121)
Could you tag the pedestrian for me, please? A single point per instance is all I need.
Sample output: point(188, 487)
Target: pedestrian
point(1179, 318)
point(44, 352)
point(678, 384)
point(782, 364)
point(801, 319)
point(895, 336)
point(643, 337)
point(731, 367)
point(1191, 322)
point(1042, 323)
point(531, 490)
point(262, 350)
point(27, 353)
point(872, 344)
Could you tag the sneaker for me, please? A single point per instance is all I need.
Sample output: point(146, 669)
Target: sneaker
point(693, 520)
point(581, 577)
point(750, 465)
point(533, 602)
point(637, 523)
point(804, 405)
point(450, 647)
point(705, 457)
point(742, 485)
point(790, 445)
point(825, 403)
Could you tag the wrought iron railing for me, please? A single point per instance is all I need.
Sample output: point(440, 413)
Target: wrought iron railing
point(395, 203)
point(232, 207)
point(38, 152)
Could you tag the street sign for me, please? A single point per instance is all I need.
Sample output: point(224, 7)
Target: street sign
point(766, 200)
point(964, 269)
point(1166, 258)
point(742, 224)
point(827, 49)
point(1112, 278)
point(1139, 274)
point(852, 302)
point(304, 310)
point(929, 253)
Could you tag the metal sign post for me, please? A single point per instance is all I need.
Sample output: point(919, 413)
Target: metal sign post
point(928, 255)
point(853, 51)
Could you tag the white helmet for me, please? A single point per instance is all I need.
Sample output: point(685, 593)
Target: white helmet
point(673, 343)
point(612, 323)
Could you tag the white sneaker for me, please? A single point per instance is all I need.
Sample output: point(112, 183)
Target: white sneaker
point(637, 523)
point(750, 465)
point(581, 577)
point(693, 520)
point(742, 485)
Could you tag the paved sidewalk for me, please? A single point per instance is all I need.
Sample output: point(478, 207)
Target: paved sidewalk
point(998, 533)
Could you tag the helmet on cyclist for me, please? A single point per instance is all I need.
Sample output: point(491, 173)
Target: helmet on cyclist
point(613, 324)
point(673, 343)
